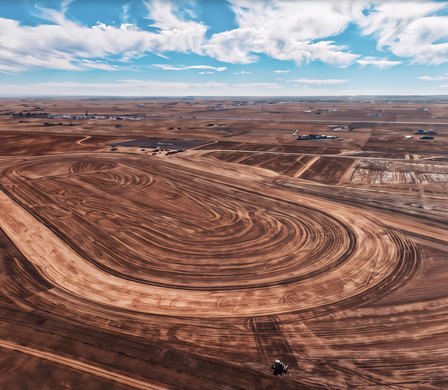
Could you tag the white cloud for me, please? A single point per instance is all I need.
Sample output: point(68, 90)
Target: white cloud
point(301, 31)
point(175, 34)
point(232, 46)
point(65, 5)
point(283, 30)
point(126, 15)
point(281, 71)
point(190, 67)
point(62, 44)
point(98, 65)
point(217, 69)
point(320, 81)
point(433, 78)
point(128, 26)
point(380, 63)
point(52, 15)
point(409, 29)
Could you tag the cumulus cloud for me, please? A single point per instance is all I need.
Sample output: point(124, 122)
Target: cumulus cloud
point(320, 81)
point(302, 31)
point(409, 29)
point(380, 63)
point(175, 33)
point(63, 44)
point(190, 67)
point(283, 30)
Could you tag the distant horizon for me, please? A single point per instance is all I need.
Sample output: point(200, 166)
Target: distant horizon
point(130, 97)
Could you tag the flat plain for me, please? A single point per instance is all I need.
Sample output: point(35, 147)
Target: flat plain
point(188, 243)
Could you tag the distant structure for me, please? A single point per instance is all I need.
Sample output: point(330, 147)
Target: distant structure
point(46, 115)
point(315, 136)
point(421, 131)
point(340, 128)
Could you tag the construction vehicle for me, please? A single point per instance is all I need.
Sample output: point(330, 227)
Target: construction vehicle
point(279, 368)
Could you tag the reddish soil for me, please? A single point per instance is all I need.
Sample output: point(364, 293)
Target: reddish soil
point(125, 268)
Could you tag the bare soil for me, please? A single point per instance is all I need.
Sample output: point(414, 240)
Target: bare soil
point(120, 268)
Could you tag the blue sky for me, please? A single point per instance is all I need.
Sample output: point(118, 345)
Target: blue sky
point(219, 47)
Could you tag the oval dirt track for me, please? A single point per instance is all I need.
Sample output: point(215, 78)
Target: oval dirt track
point(198, 250)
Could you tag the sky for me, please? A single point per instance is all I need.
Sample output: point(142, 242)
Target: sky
point(223, 47)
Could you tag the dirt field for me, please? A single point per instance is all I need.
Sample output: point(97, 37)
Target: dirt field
point(190, 243)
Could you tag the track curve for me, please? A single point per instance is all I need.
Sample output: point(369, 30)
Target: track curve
point(188, 247)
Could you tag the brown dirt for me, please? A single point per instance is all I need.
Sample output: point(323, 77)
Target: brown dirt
point(120, 269)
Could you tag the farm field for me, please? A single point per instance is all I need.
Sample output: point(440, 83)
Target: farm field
point(163, 243)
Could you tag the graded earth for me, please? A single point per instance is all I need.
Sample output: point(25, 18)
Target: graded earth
point(189, 243)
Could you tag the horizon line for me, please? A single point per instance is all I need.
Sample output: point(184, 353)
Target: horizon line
point(219, 96)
